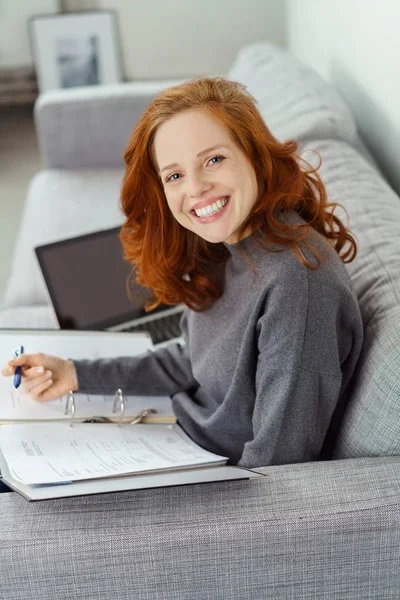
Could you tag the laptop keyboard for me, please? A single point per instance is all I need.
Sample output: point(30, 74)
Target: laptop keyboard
point(160, 330)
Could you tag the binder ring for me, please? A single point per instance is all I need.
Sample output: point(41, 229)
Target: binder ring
point(119, 397)
point(70, 399)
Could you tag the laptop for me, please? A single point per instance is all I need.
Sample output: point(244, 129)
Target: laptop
point(86, 278)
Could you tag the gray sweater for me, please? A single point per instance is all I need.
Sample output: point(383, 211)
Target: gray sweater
point(262, 370)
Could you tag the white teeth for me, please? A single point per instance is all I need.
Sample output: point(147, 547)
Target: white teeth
point(211, 209)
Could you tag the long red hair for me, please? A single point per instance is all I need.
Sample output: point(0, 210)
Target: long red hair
point(175, 263)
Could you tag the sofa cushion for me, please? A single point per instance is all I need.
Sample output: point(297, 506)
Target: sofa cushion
point(293, 99)
point(371, 426)
point(28, 317)
point(60, 204)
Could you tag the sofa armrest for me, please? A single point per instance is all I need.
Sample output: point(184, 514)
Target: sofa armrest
point(90, 126)
point(308, 530)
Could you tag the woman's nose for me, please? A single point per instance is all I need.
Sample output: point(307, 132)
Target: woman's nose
point(197, 185)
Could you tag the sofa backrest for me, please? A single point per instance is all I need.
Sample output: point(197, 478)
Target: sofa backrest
point(294, 100)
point(371, 426)
point(296, 103)
point(91, 126)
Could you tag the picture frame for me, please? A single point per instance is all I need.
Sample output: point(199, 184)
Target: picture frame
point(76, 49)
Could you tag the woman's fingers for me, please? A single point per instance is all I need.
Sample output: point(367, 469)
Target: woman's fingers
point(7, 370)
point(30, 372)
point(29, 384)
point(27, 370)
point(30, 360)
point(28, 363)
point(39, 391)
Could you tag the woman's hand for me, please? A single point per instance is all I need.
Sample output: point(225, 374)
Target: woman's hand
point(44, 377)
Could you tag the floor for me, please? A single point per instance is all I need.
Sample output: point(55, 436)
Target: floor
point(19, 161)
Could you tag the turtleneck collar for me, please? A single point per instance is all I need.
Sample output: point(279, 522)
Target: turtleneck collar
point(255, 246)
point(248, 247)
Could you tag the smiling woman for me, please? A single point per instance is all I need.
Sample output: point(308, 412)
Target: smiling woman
point(226, 219)
point(198, 144)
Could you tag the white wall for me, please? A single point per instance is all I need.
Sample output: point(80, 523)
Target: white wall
point(159, 38)
point(14, 40)
point(356, 45)
point(179, 38)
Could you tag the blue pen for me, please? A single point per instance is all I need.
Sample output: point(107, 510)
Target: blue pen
point(18, 371)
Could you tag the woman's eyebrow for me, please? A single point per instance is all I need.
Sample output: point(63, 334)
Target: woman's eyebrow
point(198, 155)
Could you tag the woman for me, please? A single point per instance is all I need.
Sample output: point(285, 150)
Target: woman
point(226, 219)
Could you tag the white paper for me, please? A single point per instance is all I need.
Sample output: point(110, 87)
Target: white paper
point(15, 405)
point(127, 482)
point(48, 453)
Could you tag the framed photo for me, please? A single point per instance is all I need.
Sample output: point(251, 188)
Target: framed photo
point(76, 49)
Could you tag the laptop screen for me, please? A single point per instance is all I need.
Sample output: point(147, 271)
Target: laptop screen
point(86, 278)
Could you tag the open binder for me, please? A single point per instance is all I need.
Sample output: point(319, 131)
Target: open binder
point(15, 407)
point(71, 448)
point(47, 460)
point(162, 414)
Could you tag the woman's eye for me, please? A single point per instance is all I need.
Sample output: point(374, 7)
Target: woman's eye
point(216, 159)
point(172, 177)
point(213, 161)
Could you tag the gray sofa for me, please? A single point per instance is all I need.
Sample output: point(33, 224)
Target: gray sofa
point(329, 529)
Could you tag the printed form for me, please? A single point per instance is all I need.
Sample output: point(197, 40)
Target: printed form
point(48, 453)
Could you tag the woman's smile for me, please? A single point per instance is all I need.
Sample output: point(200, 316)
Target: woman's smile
point(211, 210)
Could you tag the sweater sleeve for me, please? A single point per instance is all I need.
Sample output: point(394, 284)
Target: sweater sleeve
point(304, 337)
point(162, 372)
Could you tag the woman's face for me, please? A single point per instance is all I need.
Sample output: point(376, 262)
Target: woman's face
point(209, 184)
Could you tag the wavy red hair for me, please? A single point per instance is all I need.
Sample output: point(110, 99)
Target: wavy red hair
point(175, 263)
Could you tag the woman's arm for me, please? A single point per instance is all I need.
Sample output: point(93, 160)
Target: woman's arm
point(160, 373)
point(163, 372)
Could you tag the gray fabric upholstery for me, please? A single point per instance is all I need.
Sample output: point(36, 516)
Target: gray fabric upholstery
point(310, 531)
point(371, 426)
point(86, 127)
point(294, 100)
